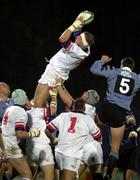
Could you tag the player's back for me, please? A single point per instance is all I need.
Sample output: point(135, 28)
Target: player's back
point(36, 119)
point(73, 130)
point(122, 86)
point(13, 116)
point(14, 119)
point(68, 58)
point(122, 83)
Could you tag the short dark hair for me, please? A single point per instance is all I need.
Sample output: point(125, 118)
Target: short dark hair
point(89, 38)
point(79, 104)
point(128, 62)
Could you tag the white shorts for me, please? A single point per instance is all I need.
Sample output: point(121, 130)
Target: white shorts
point(66, 162)
point(49, 76)
point(92, 153)
point(12, 149)
point(38, 156)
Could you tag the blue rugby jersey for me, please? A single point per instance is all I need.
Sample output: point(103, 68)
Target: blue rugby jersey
point(4, 105)
point(122, 83)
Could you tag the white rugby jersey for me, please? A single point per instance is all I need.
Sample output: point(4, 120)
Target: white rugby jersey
point(37, 118)
point(15, 118)
point(73, 130)
point(90, 110)
point(67, 59)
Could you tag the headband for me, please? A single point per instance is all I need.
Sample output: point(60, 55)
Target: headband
point(84, 41)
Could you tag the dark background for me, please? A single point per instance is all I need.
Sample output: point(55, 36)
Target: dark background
point(29, 31)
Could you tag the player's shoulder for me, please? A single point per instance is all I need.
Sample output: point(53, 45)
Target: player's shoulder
point(15, 111)
point(35, 110)
point(15, 108)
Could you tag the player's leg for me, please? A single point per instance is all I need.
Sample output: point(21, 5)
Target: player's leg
point(116, 138)
point(129, 174)
point(69, 175)
point(82, 168)
point(42, 90)
point(132, 165)
point(41, 95)
point(46, 161)
point(22, 167)
point(68, 166)
point(114, 116)
point(48, 171)
point(96, 171)
point(93, 158)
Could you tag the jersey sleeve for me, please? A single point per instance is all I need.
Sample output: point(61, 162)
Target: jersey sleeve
point(21, 120)
point(76, 33)
point(98, 68)
point(54, 124)
point(94, 130)
point(90, 110)
point(67, 45)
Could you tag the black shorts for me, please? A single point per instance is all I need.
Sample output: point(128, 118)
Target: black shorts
point(112, 114)
point(127, 160)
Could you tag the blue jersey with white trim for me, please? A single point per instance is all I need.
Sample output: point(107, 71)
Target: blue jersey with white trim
point(122, 83)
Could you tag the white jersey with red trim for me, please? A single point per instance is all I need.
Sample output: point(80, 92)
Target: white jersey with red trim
point(38, 118)
point(74, 129)
point(15, 118)
point(67, 59)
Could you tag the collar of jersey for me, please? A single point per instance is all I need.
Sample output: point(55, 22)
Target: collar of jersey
point(127, 68)
point(78, 112)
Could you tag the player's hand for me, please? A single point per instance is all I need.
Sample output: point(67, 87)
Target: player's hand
point(81, 19)
point(34, 133)
point(53, 92)
point(106, 58)
point(59, 81)
point(133, 134)
point(77, 24)
point(130, 119)
point(138, 129)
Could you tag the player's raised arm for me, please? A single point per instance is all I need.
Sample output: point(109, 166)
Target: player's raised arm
point(84, 18)
point(77, 24)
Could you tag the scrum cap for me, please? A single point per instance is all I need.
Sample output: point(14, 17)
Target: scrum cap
point(93, 97)
point(19, 97)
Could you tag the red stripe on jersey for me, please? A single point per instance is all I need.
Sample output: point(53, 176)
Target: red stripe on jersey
point(68, 45)
point(97, 135)
point(46, 114)
point(51, 127)
point(20, 124)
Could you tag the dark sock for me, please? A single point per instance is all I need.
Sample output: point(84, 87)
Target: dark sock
point(6, 176)
point(97, 176)
point(111, 164)
point(107, 177)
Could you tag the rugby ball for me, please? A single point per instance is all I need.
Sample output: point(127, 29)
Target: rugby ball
point(88, 16)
